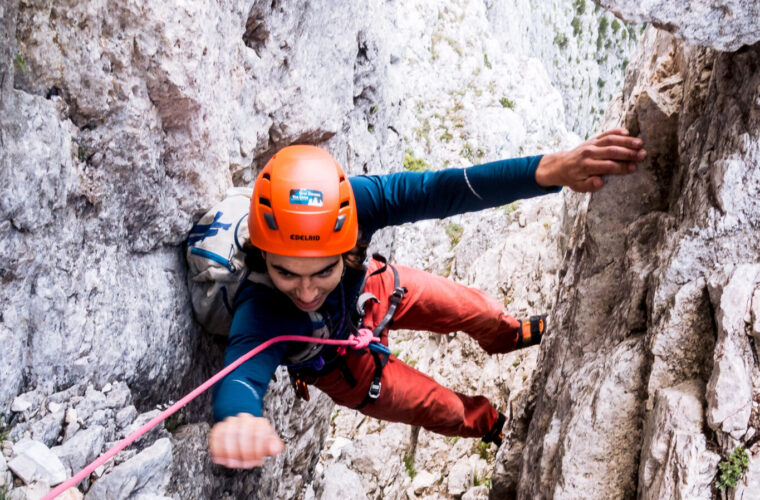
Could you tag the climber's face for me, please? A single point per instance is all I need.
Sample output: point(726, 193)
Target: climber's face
point(307, 281)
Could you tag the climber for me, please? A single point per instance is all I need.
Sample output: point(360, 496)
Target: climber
point(310, 226)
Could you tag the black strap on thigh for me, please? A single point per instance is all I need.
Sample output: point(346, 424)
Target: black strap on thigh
point(380, 353)
point(395, 299)
point(374, 387)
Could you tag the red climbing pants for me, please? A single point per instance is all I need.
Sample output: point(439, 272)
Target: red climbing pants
point(436, 304)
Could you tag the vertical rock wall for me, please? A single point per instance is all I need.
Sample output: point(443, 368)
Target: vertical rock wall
point(650, 373)
point(584, 49)
point(120, 123)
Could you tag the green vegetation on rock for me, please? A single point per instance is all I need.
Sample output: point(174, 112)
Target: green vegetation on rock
point(414, 164)
point(603, 25)
point(511, 208)
point(477, 480)
point(20, 62)
point(732, 469)
point(576, 24)
point(409, 466)
point(454, 232)
point(560, 40)
point(471, 154)
point(507, 103)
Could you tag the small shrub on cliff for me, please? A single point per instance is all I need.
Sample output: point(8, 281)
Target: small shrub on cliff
point(454, 232)
point(477, 480)
point(732, 469)
point(409, 466)
point(603, 25)
point(577, 26)
point(20, 62)
point(414, 164)
point(507, 103)
point(486, 61)
point(560, 40)
point(472, 154)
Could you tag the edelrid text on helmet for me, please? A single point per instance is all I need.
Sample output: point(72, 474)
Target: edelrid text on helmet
point(303, 205)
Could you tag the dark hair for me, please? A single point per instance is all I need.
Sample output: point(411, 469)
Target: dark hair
point(254, 261)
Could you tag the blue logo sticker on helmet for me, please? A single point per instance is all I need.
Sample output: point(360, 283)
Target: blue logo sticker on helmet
point(308, 197)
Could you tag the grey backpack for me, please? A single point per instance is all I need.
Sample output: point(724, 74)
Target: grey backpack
point(216, 260)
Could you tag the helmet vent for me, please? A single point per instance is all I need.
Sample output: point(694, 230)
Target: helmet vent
point(270, 221)
point(266, 176)
point(265, 202)
point(339, 223)
point(343, 204)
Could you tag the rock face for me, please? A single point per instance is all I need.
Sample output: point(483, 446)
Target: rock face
point(724, 24)
point(651, 373)
point(584, 49)
point(144, 474)
point(33, 461)
point(675, 462)
point(122, 121)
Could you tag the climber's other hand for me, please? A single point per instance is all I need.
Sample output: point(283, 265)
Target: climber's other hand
point(243, 441)
point(613, 152)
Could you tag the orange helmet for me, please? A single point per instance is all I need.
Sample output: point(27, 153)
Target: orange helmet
point(303, 205)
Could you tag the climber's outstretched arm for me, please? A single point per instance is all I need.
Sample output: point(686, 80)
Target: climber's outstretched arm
point(581, 169)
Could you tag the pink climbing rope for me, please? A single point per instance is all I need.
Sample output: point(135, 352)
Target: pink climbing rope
point(363, 340)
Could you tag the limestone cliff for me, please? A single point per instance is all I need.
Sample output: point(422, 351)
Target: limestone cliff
point(650, 375)
point(121, 122)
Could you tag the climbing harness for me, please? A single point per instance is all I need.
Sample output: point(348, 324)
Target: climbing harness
point(302, 375)
point(380, 355)
point(361, 341)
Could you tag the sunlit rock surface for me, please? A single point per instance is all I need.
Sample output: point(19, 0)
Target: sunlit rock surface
point(723, 24)
point(654, 314)
point(121, 122)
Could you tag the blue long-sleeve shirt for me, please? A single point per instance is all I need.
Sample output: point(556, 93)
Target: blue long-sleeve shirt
point(263, 312)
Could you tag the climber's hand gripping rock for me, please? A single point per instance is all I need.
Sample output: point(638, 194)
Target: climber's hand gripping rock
point(581, 169)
